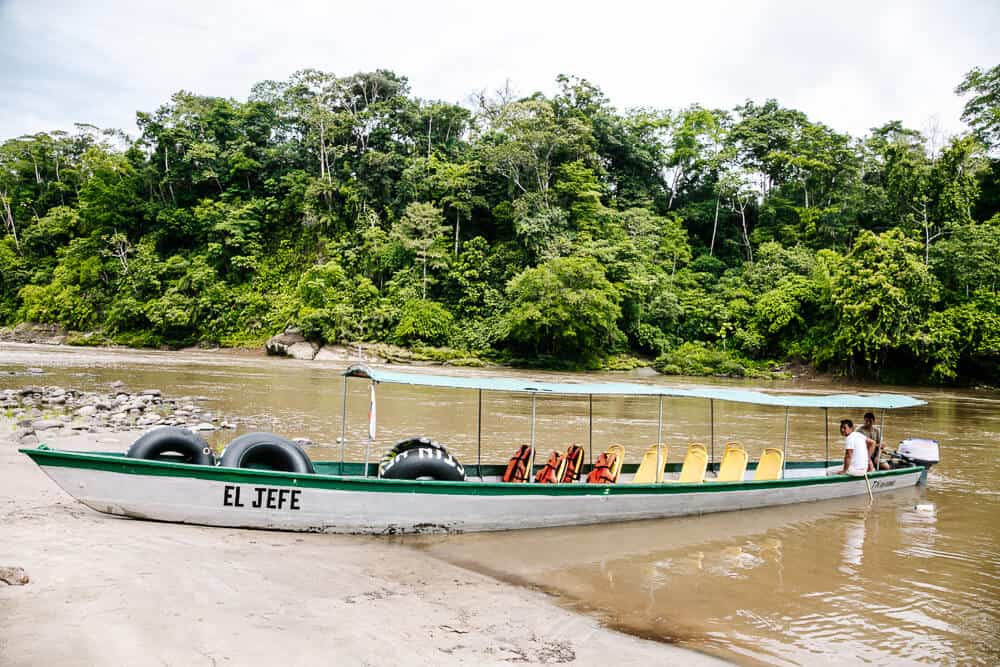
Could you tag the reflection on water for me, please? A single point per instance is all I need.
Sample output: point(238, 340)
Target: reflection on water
point(814, 584)
point(915, 577)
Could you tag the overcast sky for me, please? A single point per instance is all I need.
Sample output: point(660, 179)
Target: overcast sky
point(852, 65)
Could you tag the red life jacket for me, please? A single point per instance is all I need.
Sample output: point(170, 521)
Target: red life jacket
point(549, 474)
point(602, 472)
point(574, 464)
point(517, 468)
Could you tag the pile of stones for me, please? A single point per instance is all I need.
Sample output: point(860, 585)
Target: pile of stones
point(38, 409)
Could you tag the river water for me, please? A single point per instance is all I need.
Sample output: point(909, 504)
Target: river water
point(912, 578)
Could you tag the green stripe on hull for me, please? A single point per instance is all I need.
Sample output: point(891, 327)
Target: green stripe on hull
point(116, 463)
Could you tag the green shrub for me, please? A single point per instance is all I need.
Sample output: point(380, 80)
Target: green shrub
point(696, 359)
point(424, 322)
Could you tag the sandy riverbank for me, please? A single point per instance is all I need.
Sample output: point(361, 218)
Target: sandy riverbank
point(108, 591)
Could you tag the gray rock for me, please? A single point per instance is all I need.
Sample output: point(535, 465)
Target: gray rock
point(280, 344)
point(228, 424)
point(14, 576)
point(331, 353)
point(303, 350)
point(86, 411)
point(204, 426)
point(46, 424)
point(151, 392)
point(35, 371)
point(117, 384)
point(305, 442)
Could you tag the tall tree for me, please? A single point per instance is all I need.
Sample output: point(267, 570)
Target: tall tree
point(419, 230)
point(982, 110)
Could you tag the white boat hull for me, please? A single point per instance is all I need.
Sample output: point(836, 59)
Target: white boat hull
point(287, 503)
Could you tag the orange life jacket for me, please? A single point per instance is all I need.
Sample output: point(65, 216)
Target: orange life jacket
point(517, 468)
point(574, 464)
point(603, 470)
point(549, 474)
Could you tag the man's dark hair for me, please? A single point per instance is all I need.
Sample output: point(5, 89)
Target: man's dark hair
point(847, 422)
point(870, 415)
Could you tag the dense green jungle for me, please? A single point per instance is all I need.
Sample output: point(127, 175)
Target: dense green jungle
point(553, 231)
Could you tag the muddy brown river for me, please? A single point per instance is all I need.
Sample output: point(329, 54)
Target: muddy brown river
point(912, 578)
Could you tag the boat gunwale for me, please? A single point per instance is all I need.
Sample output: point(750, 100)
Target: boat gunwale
point(119, 464)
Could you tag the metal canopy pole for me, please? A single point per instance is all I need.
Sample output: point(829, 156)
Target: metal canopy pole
point(659, 438)
point(343, 427)
point(479, 437)
point(826, 426)
point(531, 463)
point(784, 449)
point(368, 442)
point(711, 420)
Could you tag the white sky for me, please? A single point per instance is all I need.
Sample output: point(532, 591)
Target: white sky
point(852, 65)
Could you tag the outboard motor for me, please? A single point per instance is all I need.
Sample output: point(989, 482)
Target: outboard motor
point(916, 452)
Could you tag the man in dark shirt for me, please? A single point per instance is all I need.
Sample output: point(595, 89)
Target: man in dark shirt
point(873, 432)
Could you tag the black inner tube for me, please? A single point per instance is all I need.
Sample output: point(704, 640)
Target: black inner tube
point(172, 444)
point(424, 463)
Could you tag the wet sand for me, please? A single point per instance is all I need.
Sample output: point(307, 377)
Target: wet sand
point(107, 590)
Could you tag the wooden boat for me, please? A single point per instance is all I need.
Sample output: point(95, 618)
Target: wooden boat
point(351, 497)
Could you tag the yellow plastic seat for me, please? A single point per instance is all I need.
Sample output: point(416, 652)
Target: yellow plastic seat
point(695, 463)
point(769, 466)
point(734, 463)
point(647, 472)
point(616, 467)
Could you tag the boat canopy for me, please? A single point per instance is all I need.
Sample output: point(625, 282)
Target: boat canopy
point(511, 384)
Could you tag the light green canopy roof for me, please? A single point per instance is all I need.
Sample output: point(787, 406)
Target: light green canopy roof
point(509, 384)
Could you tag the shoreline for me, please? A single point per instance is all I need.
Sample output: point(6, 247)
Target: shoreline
point(380, 354)
point(291, 345)
point(180, 594)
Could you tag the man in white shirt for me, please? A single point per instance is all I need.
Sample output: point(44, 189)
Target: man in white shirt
point(857, 450)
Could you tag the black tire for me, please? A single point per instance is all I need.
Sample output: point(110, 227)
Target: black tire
point(266, 451)
point(413, 443)
point(170, 443)
point(406, 445)
point(424, 462)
